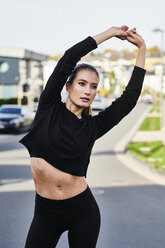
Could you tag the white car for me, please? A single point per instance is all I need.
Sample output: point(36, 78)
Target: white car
point(148, 98)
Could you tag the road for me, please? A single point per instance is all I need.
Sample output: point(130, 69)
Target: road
point(132, 207)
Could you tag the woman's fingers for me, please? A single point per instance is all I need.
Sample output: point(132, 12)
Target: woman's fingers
point(124, 28)
point(124, 32)
point(135, 38)
point(133, 30)
point(130, 39)
point(132, 33)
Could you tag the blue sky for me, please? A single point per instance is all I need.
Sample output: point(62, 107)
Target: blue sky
point(50, 27)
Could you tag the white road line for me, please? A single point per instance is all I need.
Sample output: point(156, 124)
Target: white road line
point(27, 185)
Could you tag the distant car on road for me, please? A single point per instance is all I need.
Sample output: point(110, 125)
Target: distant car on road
point(98, 104)
point(15, 117)
point(148, 98)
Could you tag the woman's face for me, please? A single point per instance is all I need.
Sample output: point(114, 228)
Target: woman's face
point(83, 89)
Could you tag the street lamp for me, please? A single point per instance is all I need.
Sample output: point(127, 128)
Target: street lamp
point(161, 88)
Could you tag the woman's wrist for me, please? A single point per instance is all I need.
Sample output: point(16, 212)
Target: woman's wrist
point(111, 32)
point(140, 60)
point(142, 47)
point(101, 37)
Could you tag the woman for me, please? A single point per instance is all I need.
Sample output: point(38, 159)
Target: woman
point(61, 140)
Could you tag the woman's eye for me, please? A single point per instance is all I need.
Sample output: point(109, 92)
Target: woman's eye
point(81, 83)
point(94, 87)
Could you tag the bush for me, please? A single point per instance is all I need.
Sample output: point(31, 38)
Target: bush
point(13, 100)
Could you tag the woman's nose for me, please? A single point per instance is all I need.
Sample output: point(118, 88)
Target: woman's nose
point(87, 90)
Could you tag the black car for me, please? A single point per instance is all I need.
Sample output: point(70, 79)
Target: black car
point(15, 117)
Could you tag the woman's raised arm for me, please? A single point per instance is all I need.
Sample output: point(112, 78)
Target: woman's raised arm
point(124, 34)
point(63, 69)
point(112, 115)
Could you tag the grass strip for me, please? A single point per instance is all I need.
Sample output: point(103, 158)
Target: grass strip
point(150, 152)
point(150, 123)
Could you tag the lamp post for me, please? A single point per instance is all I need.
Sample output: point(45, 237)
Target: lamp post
point(161, 88)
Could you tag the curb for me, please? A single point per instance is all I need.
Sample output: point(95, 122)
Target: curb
point(122, 145)
point(142, 168)
point(150, 166)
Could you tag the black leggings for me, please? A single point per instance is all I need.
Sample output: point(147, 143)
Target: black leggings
point(80, 215)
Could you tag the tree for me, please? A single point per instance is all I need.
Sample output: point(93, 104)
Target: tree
point(112, 81)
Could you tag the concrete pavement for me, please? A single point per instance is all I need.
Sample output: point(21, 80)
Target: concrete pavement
point(141, 136)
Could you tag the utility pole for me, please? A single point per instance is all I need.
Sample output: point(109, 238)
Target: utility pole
point(162, 87)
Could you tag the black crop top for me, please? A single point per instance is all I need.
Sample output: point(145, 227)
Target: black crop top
point(57, 134)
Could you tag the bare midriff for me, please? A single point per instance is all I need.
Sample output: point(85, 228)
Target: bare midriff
point(53, 183)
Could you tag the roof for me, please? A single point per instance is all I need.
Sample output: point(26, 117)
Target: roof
point(16, 52)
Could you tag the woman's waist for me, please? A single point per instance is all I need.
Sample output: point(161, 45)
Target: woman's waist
point(51, 181)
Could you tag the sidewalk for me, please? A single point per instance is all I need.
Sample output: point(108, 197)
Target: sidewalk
point(141, 136)
point(20, 158)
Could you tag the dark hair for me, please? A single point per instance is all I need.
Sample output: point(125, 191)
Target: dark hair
point(80, 67)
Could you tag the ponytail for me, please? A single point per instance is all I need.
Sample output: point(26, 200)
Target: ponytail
point(86, 111)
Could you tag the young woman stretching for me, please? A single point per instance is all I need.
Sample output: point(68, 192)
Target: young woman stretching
point(61, 140)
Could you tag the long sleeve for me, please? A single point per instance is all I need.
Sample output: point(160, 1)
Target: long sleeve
point(63, 70)
point(119, 108)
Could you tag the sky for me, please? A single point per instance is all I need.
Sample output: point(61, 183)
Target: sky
point(51, 27)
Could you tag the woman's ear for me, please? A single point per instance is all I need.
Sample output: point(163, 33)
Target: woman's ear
point(67, 86)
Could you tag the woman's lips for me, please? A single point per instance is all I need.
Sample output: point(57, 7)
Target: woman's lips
point(84, 99)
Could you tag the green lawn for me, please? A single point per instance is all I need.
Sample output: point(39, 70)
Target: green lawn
point(150, 123)
point(150, 152)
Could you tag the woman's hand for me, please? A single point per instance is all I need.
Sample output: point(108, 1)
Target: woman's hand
point(119, 32)
point(134, 38)
point(122, 33)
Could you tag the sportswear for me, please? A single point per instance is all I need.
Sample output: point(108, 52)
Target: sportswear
point(57, 134)
point(79, 215)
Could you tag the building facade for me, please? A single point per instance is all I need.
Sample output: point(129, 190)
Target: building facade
point(21, 74)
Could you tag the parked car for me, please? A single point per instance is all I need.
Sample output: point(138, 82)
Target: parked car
point(15, 117)
point(98, 104)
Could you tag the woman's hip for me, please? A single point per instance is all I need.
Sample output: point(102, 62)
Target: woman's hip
point(86, 197)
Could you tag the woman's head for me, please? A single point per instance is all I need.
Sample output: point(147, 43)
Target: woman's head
point(83, 83)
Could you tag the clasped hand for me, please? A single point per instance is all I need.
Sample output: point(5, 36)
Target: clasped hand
point(131, 35)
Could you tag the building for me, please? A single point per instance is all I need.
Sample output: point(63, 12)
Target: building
point(21, 74)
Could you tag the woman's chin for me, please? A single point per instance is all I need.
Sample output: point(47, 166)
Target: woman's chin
point(84, 104)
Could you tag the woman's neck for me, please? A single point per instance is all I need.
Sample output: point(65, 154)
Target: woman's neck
point(74, 109)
